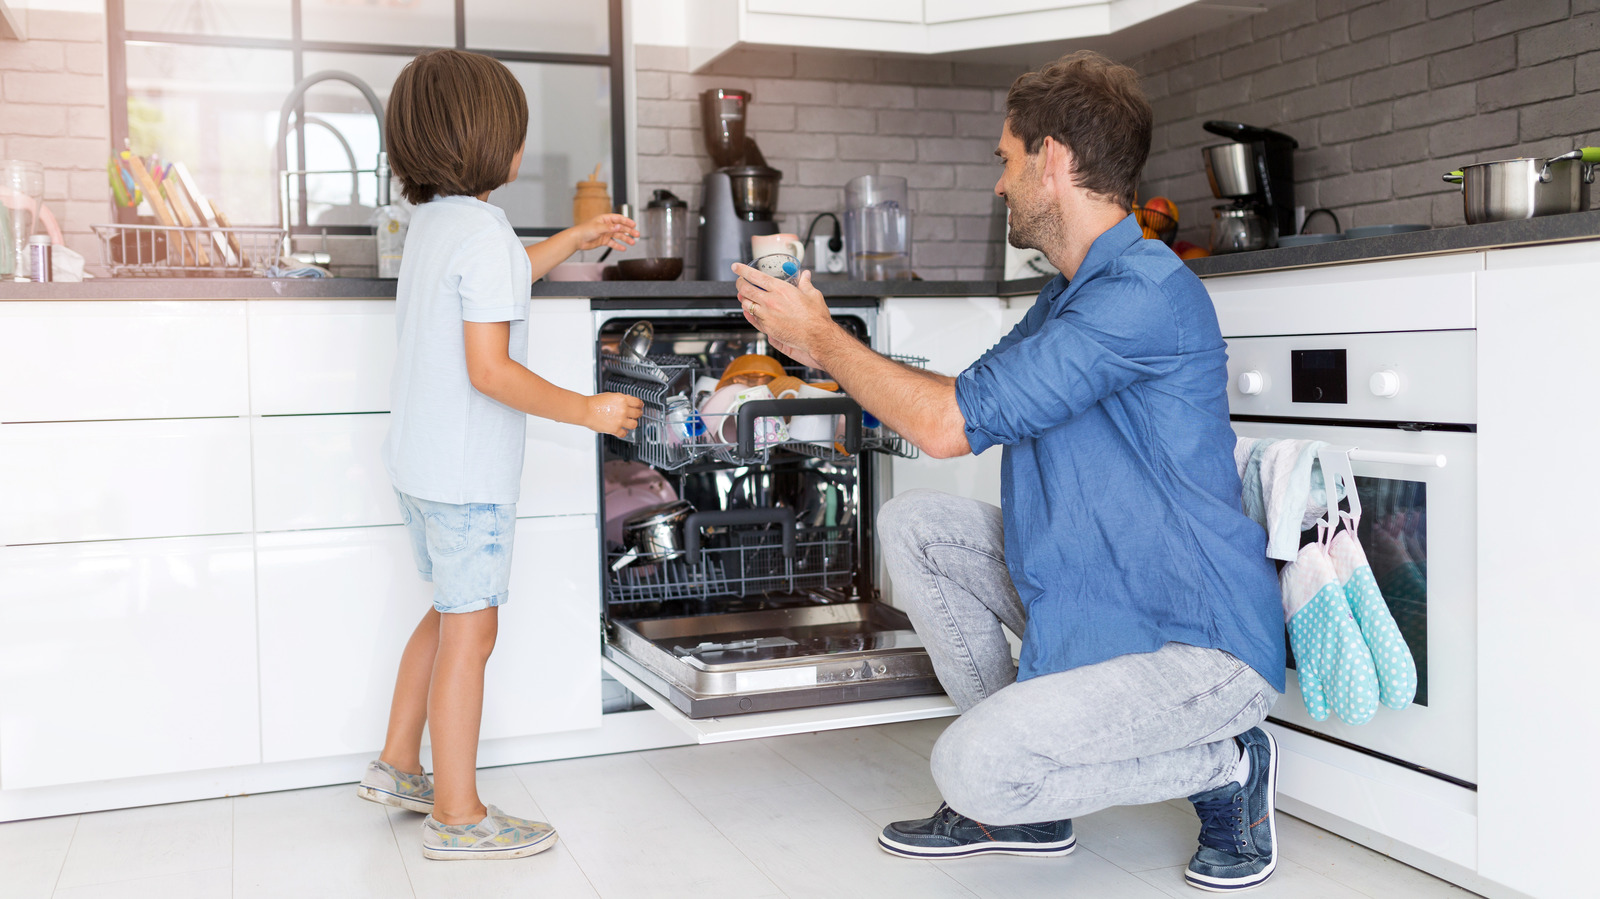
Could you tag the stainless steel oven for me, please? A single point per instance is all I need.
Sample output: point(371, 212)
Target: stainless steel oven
point(1406, 401)
point(768, 600)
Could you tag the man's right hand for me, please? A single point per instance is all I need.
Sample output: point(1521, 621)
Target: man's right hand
point(614, 413)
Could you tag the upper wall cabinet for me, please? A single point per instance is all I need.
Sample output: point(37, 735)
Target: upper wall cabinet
point(941, 26)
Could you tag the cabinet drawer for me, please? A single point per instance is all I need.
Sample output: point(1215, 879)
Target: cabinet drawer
point(81, 361)
point(321, 471)
point(349, 600)
point(126, 658)
point(320, 356)
point(111, 480)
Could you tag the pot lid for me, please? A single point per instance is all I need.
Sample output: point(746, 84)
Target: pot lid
point(658, 514)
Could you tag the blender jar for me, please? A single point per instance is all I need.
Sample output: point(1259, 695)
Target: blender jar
point(663, 235)
point(21, 196)
point(877, 228)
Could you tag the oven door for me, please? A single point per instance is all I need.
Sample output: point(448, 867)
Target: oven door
point(1419, 534)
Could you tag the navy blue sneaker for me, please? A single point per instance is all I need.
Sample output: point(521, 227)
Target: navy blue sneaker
point(1239, 825)
point(950, 834)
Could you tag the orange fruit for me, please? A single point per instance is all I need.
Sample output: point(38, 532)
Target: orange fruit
point(1163, 206)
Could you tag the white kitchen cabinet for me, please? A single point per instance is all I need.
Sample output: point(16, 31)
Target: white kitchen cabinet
point(320, 356)
point(126, 658)
point(1537, 615)
point(110, 480)
point(86, 361)
point(321, 471)
point(951, 333)
point(337, 606)
point(560, 473)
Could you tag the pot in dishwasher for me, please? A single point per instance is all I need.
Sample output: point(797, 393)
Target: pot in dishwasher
point(772, 603)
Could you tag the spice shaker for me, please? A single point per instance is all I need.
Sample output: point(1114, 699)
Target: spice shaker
point(591, 199)
point(39, 260)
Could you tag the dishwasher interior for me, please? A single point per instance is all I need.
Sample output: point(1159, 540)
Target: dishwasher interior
point(750, 586)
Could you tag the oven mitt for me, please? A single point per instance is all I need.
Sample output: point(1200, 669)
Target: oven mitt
point(1397, 671)
point(1335, 667)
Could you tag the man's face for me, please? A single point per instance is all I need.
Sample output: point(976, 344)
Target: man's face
point(1033, 220)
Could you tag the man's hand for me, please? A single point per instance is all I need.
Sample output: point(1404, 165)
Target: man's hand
point(609, 230)
point(613, 413)
point(792, 316)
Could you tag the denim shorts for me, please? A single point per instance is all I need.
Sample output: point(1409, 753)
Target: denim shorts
point(465, 550)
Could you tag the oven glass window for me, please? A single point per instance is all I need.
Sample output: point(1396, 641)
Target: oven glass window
point(1394, 534)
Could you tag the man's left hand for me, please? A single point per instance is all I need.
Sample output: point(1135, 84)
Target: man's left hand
point(792, 316)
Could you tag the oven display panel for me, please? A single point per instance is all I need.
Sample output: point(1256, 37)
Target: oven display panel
point(1319, 376)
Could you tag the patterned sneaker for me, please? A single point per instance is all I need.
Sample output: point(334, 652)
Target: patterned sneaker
point(950, 834)
point(386, 785)
point(1239, 825)
point(497, 836)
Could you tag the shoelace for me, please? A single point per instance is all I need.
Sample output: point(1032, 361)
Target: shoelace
point(1222, 822)
point(946, 815)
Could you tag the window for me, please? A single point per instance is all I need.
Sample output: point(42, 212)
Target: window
point(204, 82)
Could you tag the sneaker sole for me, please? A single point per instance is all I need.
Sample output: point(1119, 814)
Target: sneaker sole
point(1224, 885)
point(1041, 850)
point(458, 855)
point(393, 800)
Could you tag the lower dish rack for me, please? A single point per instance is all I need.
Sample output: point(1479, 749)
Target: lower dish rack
point(672, 435)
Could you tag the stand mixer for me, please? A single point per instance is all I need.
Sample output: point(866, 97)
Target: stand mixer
point(738, 198)
point(1256, 172)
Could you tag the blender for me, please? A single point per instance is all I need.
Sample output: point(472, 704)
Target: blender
point(739, 197)
point(664, 231)
point(877, 230)
point(1256, 172)
point(21, 197)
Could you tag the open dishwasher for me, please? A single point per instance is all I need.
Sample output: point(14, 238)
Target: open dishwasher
point(751, 588)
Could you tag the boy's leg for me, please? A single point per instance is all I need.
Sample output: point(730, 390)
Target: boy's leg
point(455, 709)
point(408, 711)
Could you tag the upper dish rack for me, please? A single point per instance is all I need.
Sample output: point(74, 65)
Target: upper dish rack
point(661, 442)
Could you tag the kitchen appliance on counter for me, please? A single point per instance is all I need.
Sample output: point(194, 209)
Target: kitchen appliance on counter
point(877, 228)
point(739, 198)
point(664, 234)
point(1256, 173)
point(764, 597)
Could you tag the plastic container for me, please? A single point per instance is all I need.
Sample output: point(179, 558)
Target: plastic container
point(877, 228)
point(21, 195)
point(39, 261)
point(390, 223)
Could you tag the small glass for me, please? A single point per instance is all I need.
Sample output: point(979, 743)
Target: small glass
point(782, 266)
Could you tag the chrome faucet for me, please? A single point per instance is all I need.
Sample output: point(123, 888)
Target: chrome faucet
point(291, 102)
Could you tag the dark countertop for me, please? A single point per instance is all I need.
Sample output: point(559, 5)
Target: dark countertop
point(1495, 235)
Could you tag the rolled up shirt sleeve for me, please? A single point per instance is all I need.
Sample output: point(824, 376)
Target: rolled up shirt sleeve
point(1117, 331)
point(490, 280)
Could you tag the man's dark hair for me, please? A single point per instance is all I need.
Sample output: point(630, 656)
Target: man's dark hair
point(1095, 108)
point(455, 122)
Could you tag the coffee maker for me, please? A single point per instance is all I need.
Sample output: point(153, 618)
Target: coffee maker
point(738, 198)
point(1256, 172)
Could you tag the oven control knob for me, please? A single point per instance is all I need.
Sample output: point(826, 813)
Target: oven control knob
point(1385, 383)
point(1252, 383)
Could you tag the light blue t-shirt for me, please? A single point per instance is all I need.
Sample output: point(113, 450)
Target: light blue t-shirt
point(447, 442)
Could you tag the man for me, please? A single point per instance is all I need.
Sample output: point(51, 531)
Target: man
point(1152, 635)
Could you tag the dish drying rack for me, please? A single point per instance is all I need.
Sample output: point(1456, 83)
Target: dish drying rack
point(159, 251)
point(656, 378)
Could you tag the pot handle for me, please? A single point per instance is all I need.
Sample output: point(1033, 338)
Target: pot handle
point(1453, 177)
point(777, 515)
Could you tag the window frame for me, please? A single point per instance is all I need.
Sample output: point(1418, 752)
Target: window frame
point(118, 36)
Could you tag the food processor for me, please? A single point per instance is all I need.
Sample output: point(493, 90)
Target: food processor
point(740, 196)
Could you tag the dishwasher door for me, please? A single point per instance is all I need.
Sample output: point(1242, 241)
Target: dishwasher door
point(770, 608)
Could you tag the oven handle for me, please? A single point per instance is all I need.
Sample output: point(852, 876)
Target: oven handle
point(1426, 460)
point(776, 515)
point(842, 405)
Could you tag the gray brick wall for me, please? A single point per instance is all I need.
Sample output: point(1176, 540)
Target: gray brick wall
point(1385, 96)
point(826, 118)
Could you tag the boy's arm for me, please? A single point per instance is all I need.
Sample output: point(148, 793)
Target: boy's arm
point(495, 375)
point(609, 230)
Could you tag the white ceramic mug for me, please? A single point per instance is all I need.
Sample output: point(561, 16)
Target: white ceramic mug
point(811, 428)
point(764, 244)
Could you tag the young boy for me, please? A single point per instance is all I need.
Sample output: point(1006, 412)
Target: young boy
point(455, 126)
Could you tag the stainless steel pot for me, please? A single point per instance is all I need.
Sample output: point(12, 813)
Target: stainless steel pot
point(1513, 189)
point(654, 533)
point(1231, 169)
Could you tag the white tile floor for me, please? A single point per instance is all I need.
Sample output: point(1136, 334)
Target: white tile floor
point(788, 816)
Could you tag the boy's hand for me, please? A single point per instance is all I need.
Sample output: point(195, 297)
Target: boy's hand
point(608, 230)
point(614, 413)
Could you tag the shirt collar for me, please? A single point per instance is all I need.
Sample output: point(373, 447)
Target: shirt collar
point(1114, 242)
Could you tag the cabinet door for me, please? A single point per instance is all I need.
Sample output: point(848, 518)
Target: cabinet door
point(321, 471)
point(951, 334)
point(337, 607)
point(112, 480)
point(320, 356)
point(94, 361)
point(560, 474)
point(126, 658)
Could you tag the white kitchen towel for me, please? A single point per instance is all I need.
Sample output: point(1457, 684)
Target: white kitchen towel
point(1282, 490)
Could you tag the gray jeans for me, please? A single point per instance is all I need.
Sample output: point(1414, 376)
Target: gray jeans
point(1134, 729)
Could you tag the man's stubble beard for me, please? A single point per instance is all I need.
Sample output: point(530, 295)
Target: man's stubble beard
point(1034, 225)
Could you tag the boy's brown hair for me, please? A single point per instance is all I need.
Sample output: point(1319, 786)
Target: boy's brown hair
point(454, 123)
point(1096, 109)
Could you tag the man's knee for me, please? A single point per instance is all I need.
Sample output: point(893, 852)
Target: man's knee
point(981, 776)
point(898, 518)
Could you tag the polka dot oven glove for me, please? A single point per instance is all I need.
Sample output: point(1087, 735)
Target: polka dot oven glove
point(1334, 665)
point(1397, 670)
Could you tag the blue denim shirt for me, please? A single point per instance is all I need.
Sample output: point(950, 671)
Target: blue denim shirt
point(1123, 528)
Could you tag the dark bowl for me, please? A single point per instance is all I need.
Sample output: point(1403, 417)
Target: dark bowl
point(658, 268)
